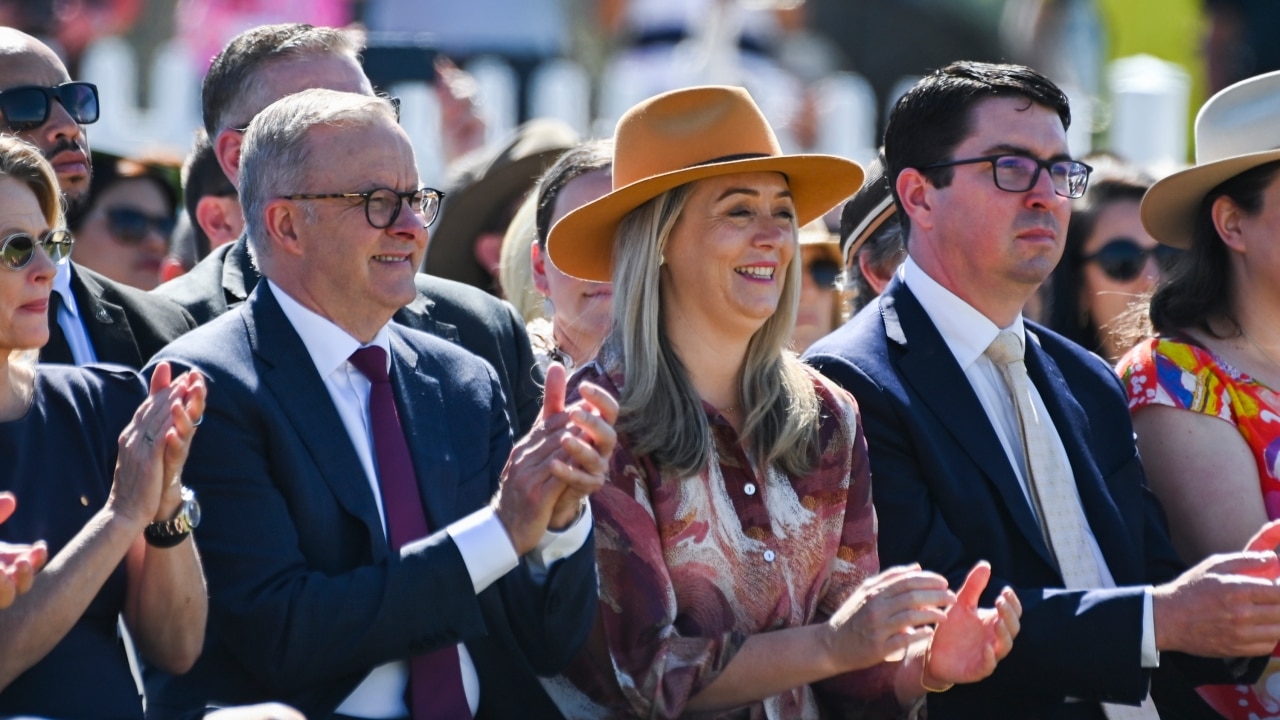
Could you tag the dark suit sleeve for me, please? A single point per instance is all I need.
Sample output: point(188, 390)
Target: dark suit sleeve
point(912, 481)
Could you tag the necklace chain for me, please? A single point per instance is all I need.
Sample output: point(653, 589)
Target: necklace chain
point(1258, 347)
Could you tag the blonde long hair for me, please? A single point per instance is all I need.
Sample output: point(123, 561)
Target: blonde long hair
point(661, 412)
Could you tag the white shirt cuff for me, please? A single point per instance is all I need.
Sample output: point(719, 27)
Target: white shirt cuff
point(485, 546)
point(1150, 655)
point(556, 546)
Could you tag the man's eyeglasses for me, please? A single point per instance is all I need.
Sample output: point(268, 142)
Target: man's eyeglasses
point(17, 249)
point(1019, 173)
point(28, 107)
point(130, 226)
point(1123, 259)
point(824, 273)
point(382, 205)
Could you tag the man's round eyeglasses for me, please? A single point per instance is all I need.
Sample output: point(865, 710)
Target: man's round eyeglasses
point(382, 205)
point(1019, 173)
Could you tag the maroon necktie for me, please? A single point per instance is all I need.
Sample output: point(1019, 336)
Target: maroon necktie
point(435, 678)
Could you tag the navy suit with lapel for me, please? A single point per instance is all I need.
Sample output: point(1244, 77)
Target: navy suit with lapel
point(305, 595)
point(457, 312)
point(125, 325)
point(946, 497)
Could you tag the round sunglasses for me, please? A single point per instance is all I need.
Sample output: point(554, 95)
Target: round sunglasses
point(28, 107)
point(131, 226)
point(1123, 259)
point(17, 250)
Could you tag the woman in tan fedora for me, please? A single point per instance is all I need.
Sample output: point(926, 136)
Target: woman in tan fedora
point(735, 537)
point(1203, 391)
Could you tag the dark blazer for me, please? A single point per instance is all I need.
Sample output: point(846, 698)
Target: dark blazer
point(125, 325)
point(461, 314)
point(305, 595)
point(947, 497)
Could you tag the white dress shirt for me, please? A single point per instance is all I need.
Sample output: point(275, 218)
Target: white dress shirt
point(967, 334)
point(69, 318)
point(480, 537)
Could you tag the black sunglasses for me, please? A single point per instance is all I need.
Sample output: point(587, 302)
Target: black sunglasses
point(130, 226)
point(28, 107)
point(1123, 259)
point(17, 250)
point(824, 273)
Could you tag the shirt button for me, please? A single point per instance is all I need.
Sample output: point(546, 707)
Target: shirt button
point(769, 556)
point(749, 488)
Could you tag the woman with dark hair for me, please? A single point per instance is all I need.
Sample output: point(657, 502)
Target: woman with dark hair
point(735, 536)
point(95, 458)
point(1203, 391)
point(1110, 261)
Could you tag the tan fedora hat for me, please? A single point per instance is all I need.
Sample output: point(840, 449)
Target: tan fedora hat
point(1237, 129)
point(679, 137)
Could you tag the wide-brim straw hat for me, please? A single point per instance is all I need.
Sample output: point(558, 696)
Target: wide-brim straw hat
point(1238, 129)
point(487, 185)
point(679, 137)
point(866, 211)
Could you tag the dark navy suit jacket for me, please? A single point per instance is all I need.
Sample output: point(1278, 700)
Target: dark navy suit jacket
point(947, 497)
point(306, 597)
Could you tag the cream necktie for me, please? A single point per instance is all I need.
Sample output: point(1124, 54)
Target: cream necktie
point(1053, 492)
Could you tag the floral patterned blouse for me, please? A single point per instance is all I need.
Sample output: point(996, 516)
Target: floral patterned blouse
point(690, 567)
point(1180, 373)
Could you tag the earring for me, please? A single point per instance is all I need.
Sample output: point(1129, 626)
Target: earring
point(662, 259)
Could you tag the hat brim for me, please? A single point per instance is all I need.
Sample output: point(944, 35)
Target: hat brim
point(869, 225)
point(581, 243)
point(450, 251)
point(1169, 208)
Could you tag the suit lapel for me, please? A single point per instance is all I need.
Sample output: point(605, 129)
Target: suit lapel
point(1073, 425)
point(104, 322)
point(239, 277)
point(927, 365)
point(291, 376)
point(417, 315)
point(422, 414)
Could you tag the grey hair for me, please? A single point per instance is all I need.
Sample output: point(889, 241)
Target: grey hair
point(275, 155)
point(660, 411)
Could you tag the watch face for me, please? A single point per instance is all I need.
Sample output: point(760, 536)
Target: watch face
point(193, 512)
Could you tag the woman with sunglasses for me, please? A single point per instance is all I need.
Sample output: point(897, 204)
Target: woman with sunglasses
point(1110, 262)
point(822, 304)
point(125, 226)
point(95, 458)
point(1205, 391)
point(735, 537)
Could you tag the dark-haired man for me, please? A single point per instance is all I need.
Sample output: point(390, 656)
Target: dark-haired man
point(992, 437)
point(92, 319)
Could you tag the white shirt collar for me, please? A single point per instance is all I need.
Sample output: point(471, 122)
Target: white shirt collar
point(966, 331)
point(328, 345)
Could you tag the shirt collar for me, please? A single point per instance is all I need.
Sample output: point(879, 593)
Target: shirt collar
point(328, 345)
point(967, 332)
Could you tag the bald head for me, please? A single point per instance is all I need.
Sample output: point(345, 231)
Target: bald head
point(24, 60)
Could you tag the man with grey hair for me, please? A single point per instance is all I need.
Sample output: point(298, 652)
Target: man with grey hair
point(91, 318)
point(375, 547)
point(269, 62)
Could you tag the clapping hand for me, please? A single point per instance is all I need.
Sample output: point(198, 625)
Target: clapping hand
point(18, 563)
point(969, 642)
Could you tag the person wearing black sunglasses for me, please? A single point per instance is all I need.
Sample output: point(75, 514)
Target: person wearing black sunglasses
point(91, 317)
point(125, 228)
point(821, 300)
point(1110, 261)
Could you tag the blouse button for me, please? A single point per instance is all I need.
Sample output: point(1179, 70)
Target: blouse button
point(84, 500)
point(749, 488)
point(769, 556)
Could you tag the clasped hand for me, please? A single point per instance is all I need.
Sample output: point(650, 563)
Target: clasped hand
point(563, 459)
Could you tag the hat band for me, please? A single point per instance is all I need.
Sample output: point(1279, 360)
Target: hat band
point(731, 158)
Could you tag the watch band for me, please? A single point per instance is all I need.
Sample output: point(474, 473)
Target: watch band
point(167, 534)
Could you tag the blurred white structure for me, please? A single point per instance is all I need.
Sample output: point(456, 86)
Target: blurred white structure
point(1150, 107)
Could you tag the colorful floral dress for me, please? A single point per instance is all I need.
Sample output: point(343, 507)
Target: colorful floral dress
point(691, 566)
point(1182, 374)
